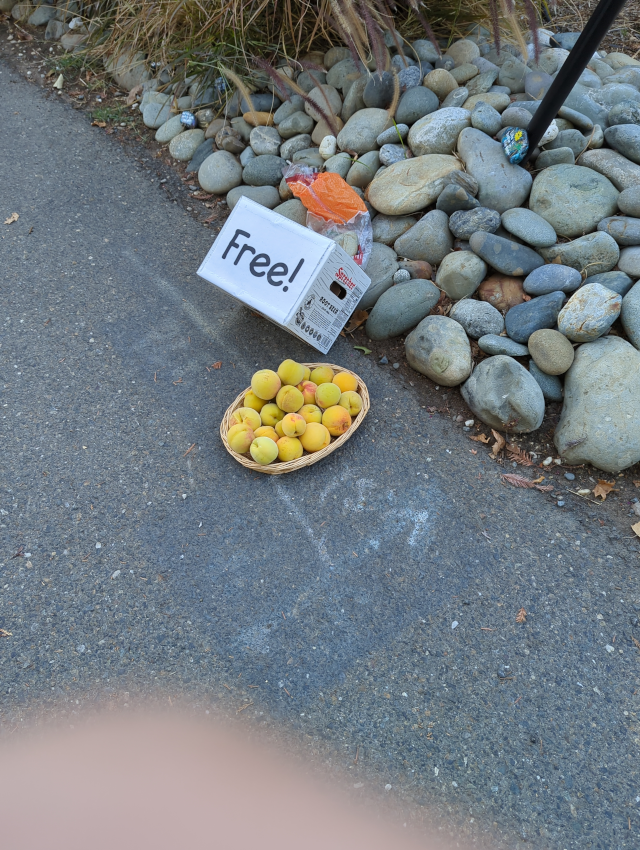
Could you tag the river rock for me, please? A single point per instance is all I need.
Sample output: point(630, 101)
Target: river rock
point(629, 201)
point(504, 395)
point(411, 185)
point(361, 131)
point(294, 125)
point(266, 140)
point(492, 344)
point(266, 196)
point(429, 239)
point(463, 73)
point(542, 312)
point(550, 385)
point(498, 100)
point(625, 138)
point(202, 152)
point(551, 351)
point(573, 199)
point(600, 421)
point(454, 198)
point(363, 170)
point(339, 164)
point(309, 156)
point(486, 118)
point(292, 146)
point(630, 315)
point(295, 104)
point(502, 291)
point(460, 273)
point(425, 50)
point(559, 156)
point(503, 255)
point(625, 230)
point(530, 227)
point(183, 146)
point(414, 104)
point(264, 170)
point(594, 253)
point(464, 223)
point(154, 115)
point(378, 92)
point(483, 82)
point(589, 313)
point(464, 50)
point(516, 117)
point(579, 98)
point(41, 16)
point(629, 262)
point(401, 308)
point(623, 173)
point(325, 98)
point(169, 129)
point(343, 74)
point(552, 278)
point(572, 139)
point(440, 82)
point(293, 209)
point(501, 184)
point(438, 132)
point(219, 173)
point(616, 281)
point(382, 266)
point(478, 318)
point(394, 135)
point(626, 112)
point(537, 83)
point(388, 228)
point(439, 348)
point(390, 154)
point(512, 75)
point(335, 55)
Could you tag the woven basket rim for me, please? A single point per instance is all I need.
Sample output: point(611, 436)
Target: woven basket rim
point(307, 459)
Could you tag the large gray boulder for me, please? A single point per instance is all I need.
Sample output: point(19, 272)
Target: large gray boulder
point(439, 348)
point(504, 395)
point(501, 184)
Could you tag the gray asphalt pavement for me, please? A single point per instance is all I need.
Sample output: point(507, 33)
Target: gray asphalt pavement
point(367, 603)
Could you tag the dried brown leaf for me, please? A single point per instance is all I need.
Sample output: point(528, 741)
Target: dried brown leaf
point(13, 217)
point(603, 488)
point(636, 483)
point(217, 364)
point(481, 438)
point(98, 123)
point(521, 616)
point(518, 455)
point(636, 529)
point(499, 444)
point(544, 488)
point(133, 94)
point(357, 319)
point(518, 480)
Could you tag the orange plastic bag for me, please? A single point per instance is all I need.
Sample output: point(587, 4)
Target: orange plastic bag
point(327, 196)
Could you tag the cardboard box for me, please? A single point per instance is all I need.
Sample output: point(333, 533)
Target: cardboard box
point(301, 281)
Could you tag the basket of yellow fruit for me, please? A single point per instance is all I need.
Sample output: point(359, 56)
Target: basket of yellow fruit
point(294, 417)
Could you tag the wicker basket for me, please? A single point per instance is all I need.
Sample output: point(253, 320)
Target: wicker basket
point(280, 467)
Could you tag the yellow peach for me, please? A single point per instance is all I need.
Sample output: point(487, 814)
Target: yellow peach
point(280, 429)
point(289, 399)
point(311, 413)
point(316, 437)
point(290, 372)
point(307, 373)
point(346, 382)
point(289, 448)
point(327, 395)
point(240, 437)
point(247, 414)
point(267, 431)
point(252, 400)
point(351, 402)
point(336, 420)
point(270, 414)
point(265, 384)
point(322, 375)
point(308, 390)
point(293, 425)
point(263, 450)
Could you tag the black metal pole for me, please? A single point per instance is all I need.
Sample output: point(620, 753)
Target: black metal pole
point(597, 27)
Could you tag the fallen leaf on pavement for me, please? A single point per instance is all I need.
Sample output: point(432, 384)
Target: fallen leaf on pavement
point(499, 444)
point(5, 633)
point(363, 349)
point(518, 455)
point(358, 318)
point(636, 483)
point(520, 481)
point(133, 94)
point(98, 123)
point(538, 480)
point(636, 529)
point(217, 364)
point(13, 217)
point(521, 616)
point(603, 488)
point(481, 438)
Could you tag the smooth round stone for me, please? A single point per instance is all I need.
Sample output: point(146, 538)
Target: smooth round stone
point(550, 385)
point(343, 73)
point(409, 77)
point(425, 50)
point(455, 99)
point(630, 315)
point(594, 253)
point(294, 104)
point(483, 82)
point(266, 196)
point(492, 344)
point(382, 265)
point(389, 154)
point(464, 223)
point(388, 228)
point(363, 170)
point(542, 312)
point(228, 139)
point(629, 201)
point(512, 75)
point(361, 131)
point(266, 140)
point(316, 103)
point(402, 276)
point(415, 104)
point(202, 152)
point(169, 130)
point(154, 115)
point(264, 170)
point(625, 230)
point(460, 274)
point(464, 50)
point(328, 147)
point(623, 173)
point(558, 156)
point(338, 164)
point(589, 313)
point(324, 128)
point(461, 178)
point(353, 100)
point(503, 255)
point(440, 349)
point(220, 173)
point(335, 55)
point(379, 90)
point(401, 308)
point(463, 73)
point(501, 393)
point(293, 209)
point(478, 318)
point(626, 112)
point(551, 351)
point(454, 198)
point(440, 82)
point(582, 122)
point(438, 132)
point(629, 262)
point(294, 125)
point(516, 117)
point(485, 118)
point(625, 138)
point(573, 139)
point(41, 16)
point(552, 278)
point(530, 227)
point(496, 99)
point(573, 199)
point(502, 185)
point(394, 135)
point(418, 269)
point(291, 147)
point(410, 185)
point(615, 281)
point(537, 83)
point(429, 239)
point(503, 291)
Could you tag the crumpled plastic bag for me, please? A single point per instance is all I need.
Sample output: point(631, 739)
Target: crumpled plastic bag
point(333, 209)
